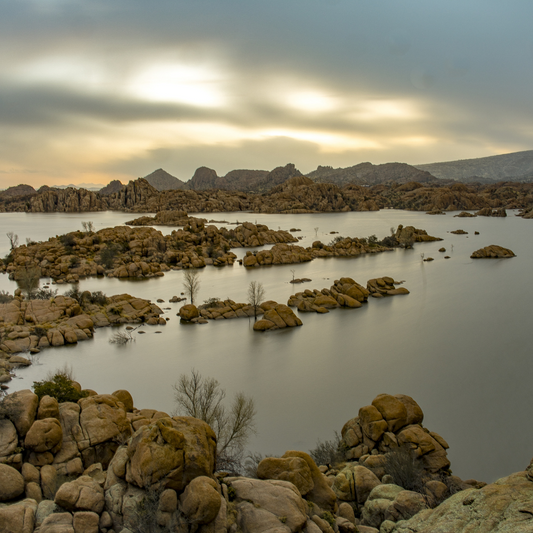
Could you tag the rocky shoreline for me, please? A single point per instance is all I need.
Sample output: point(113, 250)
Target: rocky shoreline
point(297, 194)
point(102, 465)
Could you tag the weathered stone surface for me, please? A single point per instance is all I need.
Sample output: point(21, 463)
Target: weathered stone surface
point(8, 438)
point(355, 483)
point(82, 494)
point(20, 407)
point(321, 493)
point(18, 518)
point(200, 501)
point(372, 423)
point(171, 451)
point(392, 410)
point(102, 418)
point(86, 522)
point(57, 523)
point(48, 408)
point(406, 504)
point(415, 414)
point(260, 503)
point(48, 481)
point(293, 469)
point(125, 397)
point(44, 435)
point(12, 483)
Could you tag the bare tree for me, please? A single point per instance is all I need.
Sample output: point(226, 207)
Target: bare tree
point(256, 294)
point(88, 227)
point(316, 232)
point(191, 284)
point(13, 239)
point(28, 279)
point(203, 398)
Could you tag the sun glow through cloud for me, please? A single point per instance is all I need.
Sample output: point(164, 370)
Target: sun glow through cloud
point(193, 85)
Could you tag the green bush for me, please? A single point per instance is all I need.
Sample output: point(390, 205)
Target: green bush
point(5, 297)
point(406, 468)
point(59, 387)
point(107, 256)
point(44, 294)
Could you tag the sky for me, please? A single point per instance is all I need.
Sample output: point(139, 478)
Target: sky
point(92, 91)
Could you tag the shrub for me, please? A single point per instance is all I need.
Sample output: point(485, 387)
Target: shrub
point(121, 338)
point(73, 293)
point(59, 387)
point(329, 452)
point(210, 302)
point(5, 297)
point(44, 294)
point(335, 240)
point(98, 298)
point(406, 468)
point(108, 255)
point(372, 240)
point(68, 240)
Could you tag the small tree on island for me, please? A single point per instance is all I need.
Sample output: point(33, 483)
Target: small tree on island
point(191, 284)
point(256, 295)
point(88, 227)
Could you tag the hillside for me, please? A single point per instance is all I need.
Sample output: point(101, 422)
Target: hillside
point(517, 166)
point(163, 181)
point(369, 174)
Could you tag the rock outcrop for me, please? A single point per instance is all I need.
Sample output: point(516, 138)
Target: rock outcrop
point(276, 316)
point(31, 325)
point(492, 252)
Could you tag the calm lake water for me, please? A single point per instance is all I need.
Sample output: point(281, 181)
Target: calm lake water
point(459, 344)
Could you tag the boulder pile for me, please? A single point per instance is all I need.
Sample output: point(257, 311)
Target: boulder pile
point(492, 252)
point(102, 465)
point(384, 286)
point(344, 292)
point(31, 325)
point(276, 316)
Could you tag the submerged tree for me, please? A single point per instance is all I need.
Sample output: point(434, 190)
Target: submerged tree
point(191, 284)
point(256, 294)
point(28, 279)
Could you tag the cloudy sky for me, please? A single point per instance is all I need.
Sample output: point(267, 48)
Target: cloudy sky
point(96, 90)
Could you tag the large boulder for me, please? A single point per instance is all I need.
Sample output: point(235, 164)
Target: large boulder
point(188, 312)
point(20, 407)
point(321, 493)
point(293, 469)
point(82, 494)
point(8, 438)
point(200, 501)
point(171, 452)
point(44, 435)
point(392, 410)
point(18, 518)
point(492, 252)
point(11, 483)
point(355, 483)
point(271, 505)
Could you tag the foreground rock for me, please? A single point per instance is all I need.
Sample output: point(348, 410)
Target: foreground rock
point(492, 252)
point(384, 286)
point(503, 506)
point(121, 467)
point(276, 316)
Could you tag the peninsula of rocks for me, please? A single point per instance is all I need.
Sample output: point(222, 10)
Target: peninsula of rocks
point(103, 465)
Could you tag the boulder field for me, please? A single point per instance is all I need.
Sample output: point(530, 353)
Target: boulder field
point(102, 465)
point(144, 252)
point(31, 325)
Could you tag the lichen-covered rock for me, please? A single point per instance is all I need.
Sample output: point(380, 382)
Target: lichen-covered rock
point(8, 438)
point(188, 312)
point(82, 494)
point(355, 483)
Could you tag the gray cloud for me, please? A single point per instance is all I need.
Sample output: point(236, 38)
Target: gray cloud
point(464, 66)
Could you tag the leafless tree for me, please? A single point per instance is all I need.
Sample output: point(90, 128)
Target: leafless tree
point(203, 398)
point(316, 232)
point(191, 284)
point(13, 239)
point(88, 227)
point(256, 294)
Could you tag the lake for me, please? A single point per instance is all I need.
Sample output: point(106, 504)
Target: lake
point(459, 343)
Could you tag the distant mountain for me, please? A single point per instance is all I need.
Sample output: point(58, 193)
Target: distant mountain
point(16, 191)
point(163, 181)
point(369, 174)
point(242, 180)
point(111, 187)
point(516, 166)
point(88, 186)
